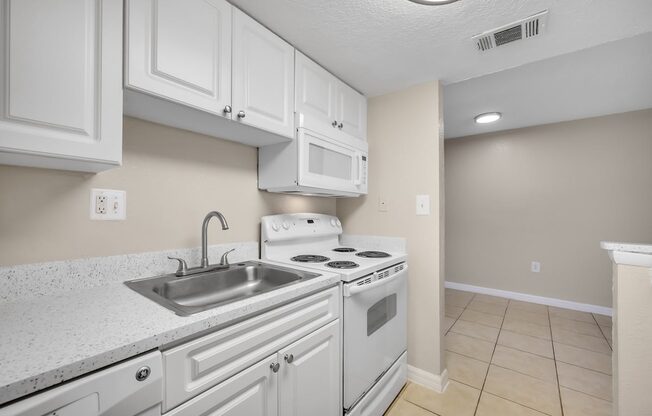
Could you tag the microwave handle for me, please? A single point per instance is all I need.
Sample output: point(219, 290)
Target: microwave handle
point(352, 289)
point(358, 180)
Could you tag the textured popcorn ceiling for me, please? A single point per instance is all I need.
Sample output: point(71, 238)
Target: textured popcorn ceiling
point(380, 46)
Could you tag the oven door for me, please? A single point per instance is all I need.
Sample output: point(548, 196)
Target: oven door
point(375, 328)
point(325, 163)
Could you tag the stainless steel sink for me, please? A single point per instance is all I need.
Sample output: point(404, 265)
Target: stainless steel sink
point(188, 295)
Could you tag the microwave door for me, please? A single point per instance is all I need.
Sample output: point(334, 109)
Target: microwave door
point(327, 164)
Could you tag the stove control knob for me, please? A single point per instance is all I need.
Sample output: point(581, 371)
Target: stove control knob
point(286, 225)
point(275, 226)
point(339, 224)
point(333, 222)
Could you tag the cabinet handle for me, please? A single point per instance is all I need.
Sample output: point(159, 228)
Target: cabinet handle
point(334, 123)
point(227, 109)
point(339, 126)
point(241, 114)
point(289, 358)
point(275, 367)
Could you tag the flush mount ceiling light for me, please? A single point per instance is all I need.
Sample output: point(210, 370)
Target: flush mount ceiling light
point(485, 118)
point(433, 2)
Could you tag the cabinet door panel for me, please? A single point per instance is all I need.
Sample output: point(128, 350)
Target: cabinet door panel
point(311, 383)
point(315, 90)
point(352, 111)
point(252, 392)
point(263, 77)
point(181, 51)
point(61, 94)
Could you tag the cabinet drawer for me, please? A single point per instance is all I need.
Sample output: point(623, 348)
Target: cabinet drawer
point(200, 364)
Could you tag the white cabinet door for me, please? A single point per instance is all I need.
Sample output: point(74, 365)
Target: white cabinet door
point(316, 91)
point(180, 50)
point(252, 392)
point(61, 93)
point(263, 77)
point(351, 112)
point(310, 376)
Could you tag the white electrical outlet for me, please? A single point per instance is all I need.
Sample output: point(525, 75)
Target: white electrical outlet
point(423, 204)
point(108, 204)
point(535, 267)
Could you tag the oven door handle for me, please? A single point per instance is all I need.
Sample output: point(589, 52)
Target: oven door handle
point(352, 289)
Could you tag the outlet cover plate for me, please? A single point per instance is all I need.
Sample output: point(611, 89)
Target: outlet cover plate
point(108, 205)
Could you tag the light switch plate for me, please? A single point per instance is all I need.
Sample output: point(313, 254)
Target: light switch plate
point(423, 204)
point(108, 204)
point(535, 267)
point(383, 206)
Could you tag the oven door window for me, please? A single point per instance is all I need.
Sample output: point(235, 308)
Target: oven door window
point(381, 313)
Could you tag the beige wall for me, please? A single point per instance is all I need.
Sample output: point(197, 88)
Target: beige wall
point(172, 178)
point(550, 194)
point(405, 148)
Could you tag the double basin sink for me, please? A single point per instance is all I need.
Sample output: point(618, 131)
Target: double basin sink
point(191, 294)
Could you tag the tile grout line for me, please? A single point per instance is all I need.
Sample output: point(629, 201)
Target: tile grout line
point(554, 358)
point(490, 360)
point(602, 332)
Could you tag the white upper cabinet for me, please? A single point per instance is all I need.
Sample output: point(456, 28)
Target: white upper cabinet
point(61, 84)
point(327, 104)
point(181, 50)
point(351, 111)
point(263, 77)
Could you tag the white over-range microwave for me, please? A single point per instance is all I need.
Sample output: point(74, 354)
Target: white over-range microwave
point(315, 164)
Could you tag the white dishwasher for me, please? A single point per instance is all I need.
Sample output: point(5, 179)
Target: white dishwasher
point(131, 388)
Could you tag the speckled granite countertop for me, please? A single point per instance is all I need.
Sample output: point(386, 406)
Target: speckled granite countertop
point(45, 341)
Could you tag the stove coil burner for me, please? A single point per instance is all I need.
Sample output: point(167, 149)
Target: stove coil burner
point(309, 258)
point(342, 264)
point(373, 254)
point(344, 249)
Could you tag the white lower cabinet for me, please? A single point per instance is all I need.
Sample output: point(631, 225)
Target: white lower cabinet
point(310, 374)
point(252, 392)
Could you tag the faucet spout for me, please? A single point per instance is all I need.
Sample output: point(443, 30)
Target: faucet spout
point(204, 234)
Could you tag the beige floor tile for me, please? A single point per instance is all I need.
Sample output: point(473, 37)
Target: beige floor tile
point(404, 408)
point(597, 344)
point(571, 314)
point(491, 299)
point(526, 343)
point(460, 299)
point(482, 318)
point(466, 370)
point(528, 307)
point(603, 320)
point(526, 363)
point(470, 347)
point(531, 317)
point(586, 328)
point(457, 400)
point(476, 330)
point(490, 308)
point(448, 322)
point(587, 381)
point(527, 328)
point(607, 332)
point(580, 404)
point(583, 358)
point(453, 311)
point(525, 390)
point(491, 405)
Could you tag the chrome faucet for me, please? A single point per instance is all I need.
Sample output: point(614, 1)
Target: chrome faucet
point(183, 269)
point(204, 234)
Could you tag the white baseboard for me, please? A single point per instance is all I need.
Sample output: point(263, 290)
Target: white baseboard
point(428, 380)
point(567, 304)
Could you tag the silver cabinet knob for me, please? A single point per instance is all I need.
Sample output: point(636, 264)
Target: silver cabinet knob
point(289, 358)
point(334, 123)
point(275, 367)
point(241, 114)
point(339, 126)
point(227, 109)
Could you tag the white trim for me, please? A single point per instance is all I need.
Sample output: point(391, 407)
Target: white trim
point(560, 303)
point(429, 380)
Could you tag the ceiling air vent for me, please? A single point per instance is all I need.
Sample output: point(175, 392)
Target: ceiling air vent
point(523, 29)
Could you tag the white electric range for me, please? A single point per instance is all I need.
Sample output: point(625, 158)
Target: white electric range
point(374, 311)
